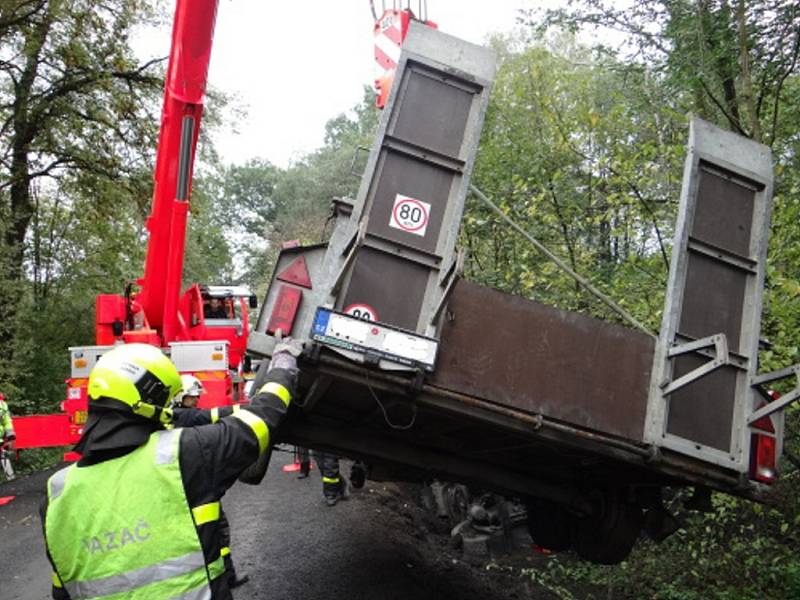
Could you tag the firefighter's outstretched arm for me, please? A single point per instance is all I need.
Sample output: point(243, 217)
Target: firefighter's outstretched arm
point(234, 442)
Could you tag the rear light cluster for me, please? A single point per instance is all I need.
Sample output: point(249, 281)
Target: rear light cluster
point(762, 459)
point(763, 449)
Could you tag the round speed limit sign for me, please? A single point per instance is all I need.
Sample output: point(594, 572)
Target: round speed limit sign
point(410, 215)
point(362, 311)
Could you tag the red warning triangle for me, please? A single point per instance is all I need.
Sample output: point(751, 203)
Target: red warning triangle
point(296, 273)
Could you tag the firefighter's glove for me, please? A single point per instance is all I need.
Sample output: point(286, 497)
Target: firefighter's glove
point(285, 354)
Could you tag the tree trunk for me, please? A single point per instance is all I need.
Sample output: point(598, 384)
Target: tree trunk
point(21, 205)
point(748, 98)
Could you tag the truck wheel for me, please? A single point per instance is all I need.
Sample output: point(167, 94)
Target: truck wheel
point(608, 536)
point(549, 525)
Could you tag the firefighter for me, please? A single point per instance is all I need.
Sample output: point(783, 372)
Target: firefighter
point(335, 486)
point(192, 389)
point(138, 516)
point(215, 309)
point(7, 439)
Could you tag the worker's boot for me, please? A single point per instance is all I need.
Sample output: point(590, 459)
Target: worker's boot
point(237, 580)
point(305, 469)
point(343, 493)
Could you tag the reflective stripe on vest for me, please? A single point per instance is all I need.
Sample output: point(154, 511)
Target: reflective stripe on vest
point(56, 484)
point(277, 389)
point(258, 426)
point(126, 582)
point(139, 540)
point(214, 414)
point(167, 446)
point(206, 513)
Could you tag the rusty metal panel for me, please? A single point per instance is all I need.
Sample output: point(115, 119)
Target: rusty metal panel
point(392, 288)
point(434, 112)
point(536, 358)
point(401, 174)
point(703, 410)
point(713, 300)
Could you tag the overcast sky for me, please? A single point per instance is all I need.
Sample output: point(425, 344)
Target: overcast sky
point(293, 65)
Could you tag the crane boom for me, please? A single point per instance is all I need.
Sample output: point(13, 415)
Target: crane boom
point(185, 87)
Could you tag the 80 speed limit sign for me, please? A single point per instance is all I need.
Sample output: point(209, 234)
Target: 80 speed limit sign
point(410, 215)
point(362, 311)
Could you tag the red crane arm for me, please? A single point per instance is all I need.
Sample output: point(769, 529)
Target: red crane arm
point(184, 92)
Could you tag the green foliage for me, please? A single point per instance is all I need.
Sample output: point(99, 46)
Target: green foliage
point(260, 206)
point(584, 152)
point(77, 115)
point(740, 551)
point(38, 459)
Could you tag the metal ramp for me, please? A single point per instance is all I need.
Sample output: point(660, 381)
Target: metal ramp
point(706, 360)
point(392, 259)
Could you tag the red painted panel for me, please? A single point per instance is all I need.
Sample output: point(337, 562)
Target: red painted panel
point(285, 310)
point(40, 431)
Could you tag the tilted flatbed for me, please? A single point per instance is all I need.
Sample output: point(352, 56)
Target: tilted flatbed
point(424, 375)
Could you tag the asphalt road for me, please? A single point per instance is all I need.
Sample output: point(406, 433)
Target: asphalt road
point(290, 543)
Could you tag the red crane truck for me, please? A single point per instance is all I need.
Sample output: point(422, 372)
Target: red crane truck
point(209, 344)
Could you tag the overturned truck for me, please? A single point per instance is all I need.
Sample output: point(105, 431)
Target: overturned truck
point(424, 375)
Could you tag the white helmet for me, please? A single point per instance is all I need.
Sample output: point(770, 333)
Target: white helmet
point(191, 386)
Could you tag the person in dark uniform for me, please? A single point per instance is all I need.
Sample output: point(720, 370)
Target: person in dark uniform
point(215, 309)
point(186, 414)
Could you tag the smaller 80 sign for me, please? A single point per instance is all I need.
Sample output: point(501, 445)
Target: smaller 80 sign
point(410, 215)
point(362, 311)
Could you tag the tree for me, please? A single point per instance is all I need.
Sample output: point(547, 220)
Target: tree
point(261, 206)
point(584, 152)
point(734, 58)
point(76, 109)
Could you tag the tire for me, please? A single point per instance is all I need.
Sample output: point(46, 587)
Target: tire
point(549, 525)
point(607, 537)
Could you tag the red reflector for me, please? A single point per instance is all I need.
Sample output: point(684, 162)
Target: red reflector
point(762, 463)
point(296, 273)
point(285, 310)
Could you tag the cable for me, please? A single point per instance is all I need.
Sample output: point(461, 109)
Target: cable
point(386, 414)
point(562, 265)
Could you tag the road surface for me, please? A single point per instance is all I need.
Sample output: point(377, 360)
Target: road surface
point(290, 543)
